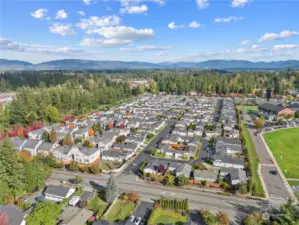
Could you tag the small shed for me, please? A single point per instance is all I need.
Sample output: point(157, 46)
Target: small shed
point(74, 200)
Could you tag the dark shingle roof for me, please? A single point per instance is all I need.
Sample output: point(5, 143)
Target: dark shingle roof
point(15, 216)
point(271, 107)
point(57, 190)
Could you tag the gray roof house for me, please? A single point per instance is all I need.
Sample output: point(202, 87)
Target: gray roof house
point(87, 155)
point(126, 147)
point(18, 143)
point(184, 169)
point(14, 215)
point(45, 148)
point(32, 145)
point(210, 175)
point(75, 216)
point(223, 160)
point(58, 193)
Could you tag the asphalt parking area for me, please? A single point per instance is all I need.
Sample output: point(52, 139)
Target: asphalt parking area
point(274, 183)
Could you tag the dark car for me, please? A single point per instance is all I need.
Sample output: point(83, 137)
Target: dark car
point(40, 198)
point(274, 172)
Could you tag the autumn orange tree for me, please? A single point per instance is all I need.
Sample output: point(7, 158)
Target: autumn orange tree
point(259, 123)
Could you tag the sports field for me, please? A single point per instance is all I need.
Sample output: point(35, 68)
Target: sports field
point(284, 145)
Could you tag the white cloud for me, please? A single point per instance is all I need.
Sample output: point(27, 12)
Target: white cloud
point(134, 2)
point(134, 9)
point(81, 13)
point(33, 48)
point(104, 43)
point(39, 14)
point(245, 42)
point(229, 19)
point(202, 3)
point(48, 18)
point(87, 2)
point(194, 24)
point(108, 8)
point(172, 25)
point(95, 21)
point(275, 36)
point(62, 29)
point(147, 48)
point(61, 14)
point(123, 33)
point(239, 3)
point(254, 48)
point(284, 47)
point(163, 53)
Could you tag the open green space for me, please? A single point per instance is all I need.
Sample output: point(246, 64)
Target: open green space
point(253, 160)
point(98, 206)
point(120, 210)
point(293, 183)
point(249, 108)
point(284, 145)
point(109, 165)
point(166, 216)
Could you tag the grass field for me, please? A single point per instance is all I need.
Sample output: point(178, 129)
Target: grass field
point(284, 145)
point(253, 161)
point(98, 206)
point(249, 108)
point(165, 216)
point(121, 210)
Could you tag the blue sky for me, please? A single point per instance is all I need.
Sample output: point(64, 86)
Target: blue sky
point(149, 30)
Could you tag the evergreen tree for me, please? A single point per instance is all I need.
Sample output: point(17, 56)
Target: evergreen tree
point(46, 136)
point(53, 137)
point(12, 176)
point(111, 190)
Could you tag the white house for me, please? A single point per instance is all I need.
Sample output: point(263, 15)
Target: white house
point(87, 155)
point(58, 193)
point(65, 153)
point(32, 145)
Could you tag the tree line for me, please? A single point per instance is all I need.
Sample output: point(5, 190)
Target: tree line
point(20, 174)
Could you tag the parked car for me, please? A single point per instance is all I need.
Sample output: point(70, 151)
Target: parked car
point(40, 198)
point(274, 172)
point(137, 221)
point(131, 218)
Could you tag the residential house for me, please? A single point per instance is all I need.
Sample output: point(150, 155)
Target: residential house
point(210, 175)
point(271, 110)
point(82, 133)
point(183, 169)
point(58, 193)
point(32, 145)
point(131, 147)
point(36, 134)
point(75, 216)
point(234, 176)
point(18, 143)
point(14, 215)
point(46, 148)
point(87, 155)
point(65, 154)
point(223, 160)
point(228, 146)
point(119, 156)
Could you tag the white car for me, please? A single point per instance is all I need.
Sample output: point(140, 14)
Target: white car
point(137, 221)
point(131, 218)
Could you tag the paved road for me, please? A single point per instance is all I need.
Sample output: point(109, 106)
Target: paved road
point(235, 207)
point(145, 154)
point(274, 183)
point(204, 153)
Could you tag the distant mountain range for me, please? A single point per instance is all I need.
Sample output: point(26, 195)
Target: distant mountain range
point(77, 64)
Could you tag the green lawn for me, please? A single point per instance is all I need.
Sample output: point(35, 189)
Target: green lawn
point(253, 161)
point(165, 216)
point(293, 183)
point(121, 210)
point(284, 145)
point(98, 206)
point(249, 108)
